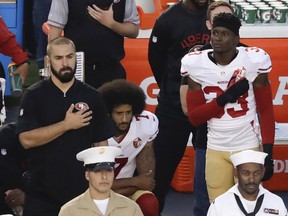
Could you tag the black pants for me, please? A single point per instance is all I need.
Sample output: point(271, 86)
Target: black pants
point(169, 147)
point(37, 205)
point(98, 74)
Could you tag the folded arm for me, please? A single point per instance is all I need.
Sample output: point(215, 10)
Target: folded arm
point(43, 135)
point(198, 110)
point(145, 169)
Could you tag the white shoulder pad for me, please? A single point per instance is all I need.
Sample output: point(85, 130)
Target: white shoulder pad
point(149, 123)
point(257, 61)
point(259, 56)
point(189, 63)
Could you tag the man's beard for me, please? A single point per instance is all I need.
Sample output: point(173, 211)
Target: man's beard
point(199, 6)
point(123, 131)
point(64, 77)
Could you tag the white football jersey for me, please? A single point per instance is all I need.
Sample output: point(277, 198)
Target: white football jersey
point(233, 126)
point(143, 129)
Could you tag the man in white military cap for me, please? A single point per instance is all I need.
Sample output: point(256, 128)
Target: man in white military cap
point(99, 199)
point(248, 197)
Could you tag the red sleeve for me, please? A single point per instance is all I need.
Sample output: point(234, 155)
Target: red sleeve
point(199, 111)
point(263, 97)
point(9, 45)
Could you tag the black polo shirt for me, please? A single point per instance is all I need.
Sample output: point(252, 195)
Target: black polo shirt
point(56, 174)
point(12, 163)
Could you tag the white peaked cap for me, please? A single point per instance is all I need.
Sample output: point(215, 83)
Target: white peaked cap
point(248, 156)
point(98, 155)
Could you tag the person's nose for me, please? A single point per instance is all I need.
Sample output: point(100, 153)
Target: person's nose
point(124, 118)
point(251, 178)
point(104, 174)
point(64, 62)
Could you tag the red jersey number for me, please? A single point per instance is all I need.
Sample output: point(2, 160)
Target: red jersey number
point(120, 163)
point(231, 111)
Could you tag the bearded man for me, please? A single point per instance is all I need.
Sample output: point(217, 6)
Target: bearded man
point(59, 117)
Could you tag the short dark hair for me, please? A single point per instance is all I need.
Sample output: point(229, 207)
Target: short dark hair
point(119, 92)
point(59, 41)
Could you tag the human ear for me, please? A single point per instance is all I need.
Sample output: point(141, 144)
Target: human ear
point(87, 176)
point(235, 173)
point(209, 25)
point(46, 61)
point(263, 171)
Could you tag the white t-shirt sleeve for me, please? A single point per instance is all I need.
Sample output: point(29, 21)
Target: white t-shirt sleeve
point(131, 13)
point(58, 14)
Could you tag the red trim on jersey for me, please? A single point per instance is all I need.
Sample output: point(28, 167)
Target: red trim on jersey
point(120, 138)
point(199, 111)
point(263, 97)
point(265, 69)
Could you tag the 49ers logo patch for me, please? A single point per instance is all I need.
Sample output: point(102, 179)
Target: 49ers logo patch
point(3, 151)
point(137, 142)
point(81, 105)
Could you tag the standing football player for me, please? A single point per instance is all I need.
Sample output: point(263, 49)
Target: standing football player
point(228, 87)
